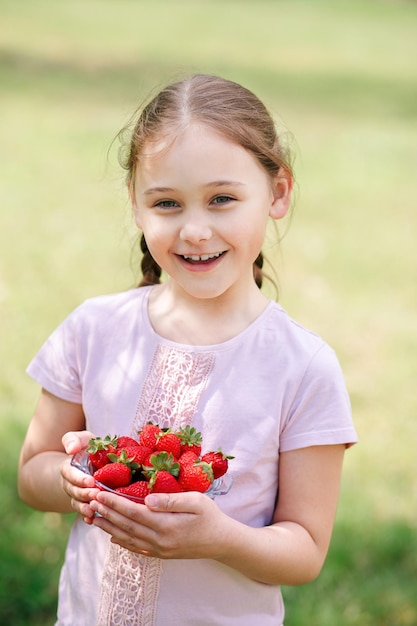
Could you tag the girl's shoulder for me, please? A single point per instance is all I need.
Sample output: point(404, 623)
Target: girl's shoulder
point(292, 346)
point(113, 301)
point(105, 315)
point(281, 327)
point(115, 305)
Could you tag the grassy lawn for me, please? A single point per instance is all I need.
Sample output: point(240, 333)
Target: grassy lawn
point(341, 80)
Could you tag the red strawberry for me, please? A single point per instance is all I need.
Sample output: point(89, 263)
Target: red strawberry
point(196, 477)
point(114, 475)
point(164, 482)
point(140, 489)
point(148, 435)
point(126, 442)
point(121, 456)
point(187, 458)
point(99, 448)
point(219, 462)
point(136, 454)
point(191, 439)
point(147, 460)
point(162, 463)
point(168, 442)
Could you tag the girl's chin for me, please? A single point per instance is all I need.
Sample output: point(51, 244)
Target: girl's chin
point(201, 289)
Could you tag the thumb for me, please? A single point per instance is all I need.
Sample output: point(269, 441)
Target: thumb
point(173, 502)
point(73, 442)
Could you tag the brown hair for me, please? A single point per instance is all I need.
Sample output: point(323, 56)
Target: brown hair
point(222, 104)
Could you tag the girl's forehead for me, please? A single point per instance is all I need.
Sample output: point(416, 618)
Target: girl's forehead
point(193, 134)
point(198, 155)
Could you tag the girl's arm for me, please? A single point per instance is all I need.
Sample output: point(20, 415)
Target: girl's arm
point(40, 482)
point(291, 551)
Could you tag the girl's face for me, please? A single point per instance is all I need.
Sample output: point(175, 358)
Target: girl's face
point(203, 203)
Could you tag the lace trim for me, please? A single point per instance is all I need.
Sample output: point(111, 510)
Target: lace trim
point(170, 395)
point(129, 589)
point(173, 386)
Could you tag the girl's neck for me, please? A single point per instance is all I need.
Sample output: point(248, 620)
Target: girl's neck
point(179, 317)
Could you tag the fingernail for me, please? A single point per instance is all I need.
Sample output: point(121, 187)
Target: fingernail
point(151, 501)
point(70, 445)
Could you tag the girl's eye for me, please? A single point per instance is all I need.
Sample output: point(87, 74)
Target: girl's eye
point(166, 204)
point(222, 199)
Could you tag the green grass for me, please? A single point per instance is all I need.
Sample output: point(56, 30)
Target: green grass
point(340, 75)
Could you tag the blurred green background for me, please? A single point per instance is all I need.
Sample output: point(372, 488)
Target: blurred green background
point(341, 77)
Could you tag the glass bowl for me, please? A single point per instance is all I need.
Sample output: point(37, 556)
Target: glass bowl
point(81, 460)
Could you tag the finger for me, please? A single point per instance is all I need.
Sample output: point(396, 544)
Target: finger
point(132, 518)
point(85, 511)
point(81, 500)
point(191, 502)
point(73, 442)
point(124, 531)
point(117, 509)
point(76, 477)
point(80, 489)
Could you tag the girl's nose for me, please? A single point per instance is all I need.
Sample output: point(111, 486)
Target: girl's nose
point(195, 230)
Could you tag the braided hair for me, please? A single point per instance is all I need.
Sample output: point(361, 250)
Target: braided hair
point(151, 271)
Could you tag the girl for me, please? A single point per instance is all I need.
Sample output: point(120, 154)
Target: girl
point(205, 171)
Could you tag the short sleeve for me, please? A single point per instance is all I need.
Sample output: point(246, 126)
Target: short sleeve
point(55, 367)
point(320, 412)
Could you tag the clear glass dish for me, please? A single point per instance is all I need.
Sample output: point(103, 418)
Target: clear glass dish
point(220, 487)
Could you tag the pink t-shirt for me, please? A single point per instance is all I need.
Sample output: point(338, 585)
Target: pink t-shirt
point(274, 387)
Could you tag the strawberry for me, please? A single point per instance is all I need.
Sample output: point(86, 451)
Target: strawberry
point(114, 475)
point(147, 460)
point(99, 448)
point(164, 482)
point(126, 442)
point(135, 454)
point(148, 434)
point(191, 439)
point(168, 442)
point(121, 456)
point(162, 463)
point(187, 458)
point(139, 489)
point(218, 461)
point(196, 477)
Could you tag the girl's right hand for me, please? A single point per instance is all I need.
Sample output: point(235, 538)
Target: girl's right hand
point(78, 486)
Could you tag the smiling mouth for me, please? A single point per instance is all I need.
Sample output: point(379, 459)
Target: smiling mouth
point(202, 258)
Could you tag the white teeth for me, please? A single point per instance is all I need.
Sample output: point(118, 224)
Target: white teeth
point(202, 257)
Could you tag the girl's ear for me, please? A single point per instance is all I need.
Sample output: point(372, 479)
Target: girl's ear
point(282, 188)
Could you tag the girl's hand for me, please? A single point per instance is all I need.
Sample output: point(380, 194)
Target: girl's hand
point(78, 486)
point(75, 441)
point(168, 526)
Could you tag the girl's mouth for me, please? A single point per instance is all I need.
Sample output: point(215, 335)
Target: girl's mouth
point(201, 258)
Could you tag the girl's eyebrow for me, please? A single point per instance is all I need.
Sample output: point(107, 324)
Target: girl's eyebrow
point(225, 183)
point(151, 190)
point(214, 183)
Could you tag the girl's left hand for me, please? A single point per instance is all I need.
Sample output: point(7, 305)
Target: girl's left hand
point(168, 526)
